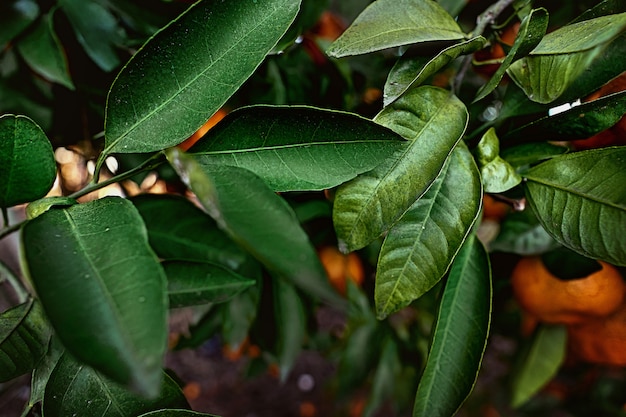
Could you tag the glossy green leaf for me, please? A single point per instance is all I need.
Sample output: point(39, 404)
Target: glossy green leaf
point(176, 413)
point(603, 8)
point(15, 16)
point(258, 220)
point(433, 120)
point(27, 165)
point(186, 72)
point(97, 31)
point(93, 261)
point(291, 323)
point(38, 207)
point(297, 148)
point(545, 357)
point(41, 375)
point(530, 153)
point(579, 122)
point(522, 234)
point(177, 229)
point(24, 335)
point(581, 36)
point(43, 52)
point(411, 71)
point(497, 174)
point(580, 199)
point(421, 246)
point(414, 21)
point(197, 283)
point(460, 335)
point(76, 389)
point(531, 31)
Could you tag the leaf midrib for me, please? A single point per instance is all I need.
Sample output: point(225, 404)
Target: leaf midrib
point(296, 146)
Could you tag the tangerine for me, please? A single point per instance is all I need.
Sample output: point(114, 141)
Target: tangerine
point(340, 267)
point(553, 300)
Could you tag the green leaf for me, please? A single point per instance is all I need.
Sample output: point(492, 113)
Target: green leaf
point(290, 316)
point(188, 70)
point(433, 120)
point(97, 31)
point(179, 230)
point(530, 153)
point(579, 122)
point(75, 389)
point(541, 364)
point(460, 335)
point(603, 8)
point(522, 234)
point(38, 207)
point(196, 283)
point(580, 199)
point(385, 377)
point(43, 52)
point(27, 165)
point(497, 175)
point(93, 261)
point(41, 375)
point(531, 31)
point(414, 21)
point(421, 246)
point(411, 71)
point(581, 36)
point(16, 16)
point(176, 413)
point(257, 219)
point(24, 335)
point(297, 148)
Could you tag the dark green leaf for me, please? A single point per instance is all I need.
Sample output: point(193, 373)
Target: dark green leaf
point(176, 413)
point(385, 377)
point(297, 148)
point(258, 220)
point(421, 246)
point(196, 283)
point(41, 375)
point(93, 261)
point(43, 52)
point(433, 120)
point(76, 389)
point(529, 153)
point(522, 234)
point(27, 165)
point(189, 69)
point(290, 316)
point(497, 175)
point(579, 122)
point(411, 71)
point(96, 29)
point(532, 30)
point(603, 8)
point(16, 15)
point(541, 364)
point(177, 229)
point(414, 21)
point(453, 7)
point(24, 335)
point(580, 199)
point(460, 335)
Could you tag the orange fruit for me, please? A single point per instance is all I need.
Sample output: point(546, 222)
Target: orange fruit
point(494, 209)
point(340, 267)
point(485, 59)
point(192, 391)
point(213, 120)
point(307, 409)
point(552, 300)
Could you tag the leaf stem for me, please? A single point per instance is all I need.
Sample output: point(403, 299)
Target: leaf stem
point(483, 20)
point(5, 216)
point(16, 283)
point(148, 165)
point(8, 230)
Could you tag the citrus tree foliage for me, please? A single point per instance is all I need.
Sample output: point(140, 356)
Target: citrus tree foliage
point(99, 277)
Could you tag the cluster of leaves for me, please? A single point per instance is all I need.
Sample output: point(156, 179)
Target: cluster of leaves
point(101, 275)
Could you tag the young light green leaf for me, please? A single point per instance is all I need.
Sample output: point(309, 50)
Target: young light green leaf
point(433, 120)
point(545, 357)
point(460, 335)
point(76, 389)
point(44, 53)
point(580, 199)
point(24, 335)
point(414, 21)
point(197, 283)
point(297, 148)
point(178, 230)
point(38, 207)
point(421, 246)
point(93, 261)
point(291, 318)
point(97, 31)
point(531, 31)
point(27, 165)
point(411, 71)
point(258, 220)
point(188, 70)
point(579, 122)
point(497, 175)
point(17, 15)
